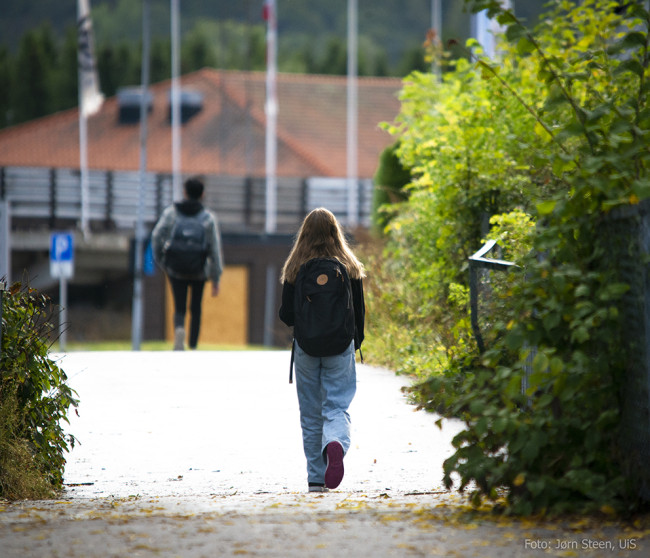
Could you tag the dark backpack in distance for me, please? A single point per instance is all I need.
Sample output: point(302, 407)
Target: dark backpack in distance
point(186, 250)
point(324, 313)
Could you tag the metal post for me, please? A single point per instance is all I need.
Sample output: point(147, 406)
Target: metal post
point(269, 304)
point(176, 103)
point(436, 25)
point(90, 101)
point(485, 29)
point(5, 241)
point(83, 167)
point(63, 315)
point(473, 305)
point(271, 117)
point(2, 291)
point(352, 117)
point(137, 311)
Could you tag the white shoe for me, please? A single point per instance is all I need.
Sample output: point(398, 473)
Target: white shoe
point(179, 339)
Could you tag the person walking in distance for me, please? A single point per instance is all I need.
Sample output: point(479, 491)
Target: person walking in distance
point(186, 244)
point(322, 298)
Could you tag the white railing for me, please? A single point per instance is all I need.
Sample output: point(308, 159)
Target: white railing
point(52, 197)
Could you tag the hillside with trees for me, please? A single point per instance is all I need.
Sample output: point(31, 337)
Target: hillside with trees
point(38, 46)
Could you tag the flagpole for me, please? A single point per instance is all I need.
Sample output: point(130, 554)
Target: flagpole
point(83, 165)
point(137, 310)
point(175, 102)
point(271, 116)
point(270, 14)
point(352, 118)
point(90, 100)
point(486, 29)
point(436, 25)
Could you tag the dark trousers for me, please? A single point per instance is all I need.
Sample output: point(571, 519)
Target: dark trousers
point(179, 290)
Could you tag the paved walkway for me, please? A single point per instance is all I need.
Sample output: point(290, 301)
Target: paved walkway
point(198, 454)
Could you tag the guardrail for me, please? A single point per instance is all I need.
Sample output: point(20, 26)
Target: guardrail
point(52, 197)
point(477, 262)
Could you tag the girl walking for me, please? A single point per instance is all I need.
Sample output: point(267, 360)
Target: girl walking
point(325, 361)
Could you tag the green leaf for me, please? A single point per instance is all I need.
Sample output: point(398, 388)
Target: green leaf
point(634, 39)
point(499, 425)
point(487, 70)
point(506, 18)
point(551, 320)
point(629, 65)
point(477, 407)
point(546, 207)
point(614, 291)
point(531, 449)
point(641, 188)
point(515, 32)
point(540, 363)
point(481, 426)
point(525, 46)
point(556, 365)
point(514, 339)
point(570, 130)
point(639, 11)
point(580, 334)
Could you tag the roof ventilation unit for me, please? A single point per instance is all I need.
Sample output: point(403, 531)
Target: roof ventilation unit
point(128, 100)
point(191, 104)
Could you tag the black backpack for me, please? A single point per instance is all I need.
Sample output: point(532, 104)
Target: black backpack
point(186, 250)
point(324, 311)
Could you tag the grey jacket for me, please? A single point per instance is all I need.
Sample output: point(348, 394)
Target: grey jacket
point(163, 229)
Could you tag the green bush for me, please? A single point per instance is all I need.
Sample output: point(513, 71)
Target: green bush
point(559, 127)
point(34, 400)
point(390, 182)
point(461, 141)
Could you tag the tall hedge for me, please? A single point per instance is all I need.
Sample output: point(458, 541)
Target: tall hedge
point(556, 126)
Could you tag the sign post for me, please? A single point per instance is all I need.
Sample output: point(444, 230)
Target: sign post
point(2, 289)
point(62, 267)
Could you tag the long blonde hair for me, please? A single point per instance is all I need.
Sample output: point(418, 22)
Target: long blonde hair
point(320, 236)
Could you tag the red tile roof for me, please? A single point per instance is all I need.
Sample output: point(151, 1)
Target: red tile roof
point(227, 136)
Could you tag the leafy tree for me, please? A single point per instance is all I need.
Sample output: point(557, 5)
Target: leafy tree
point(335, 58)
point(117, 66)
point(66, 78)
point(196, 53)
point(558, 127)
point(6, 72)
point(451, 133)
point(33, 89)
point(160, 63)
point(390, 182)
point(412, 60)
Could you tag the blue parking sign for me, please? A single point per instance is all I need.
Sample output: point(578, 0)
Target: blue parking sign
point(62, 255)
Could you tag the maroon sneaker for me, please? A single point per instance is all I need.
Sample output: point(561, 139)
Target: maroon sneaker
point(334, 471)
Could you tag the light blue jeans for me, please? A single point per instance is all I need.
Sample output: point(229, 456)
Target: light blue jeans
point(326, 387)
